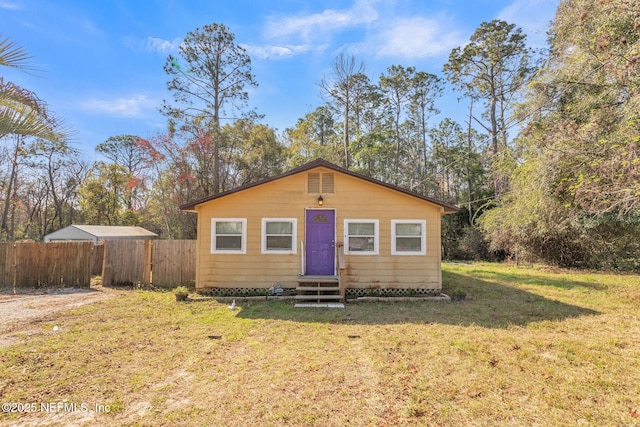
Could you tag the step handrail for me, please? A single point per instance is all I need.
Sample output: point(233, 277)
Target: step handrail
point(342, 269)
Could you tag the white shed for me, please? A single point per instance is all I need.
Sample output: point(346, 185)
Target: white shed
point(95, 233)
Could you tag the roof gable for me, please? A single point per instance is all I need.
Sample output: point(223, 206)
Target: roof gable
point(312, 165)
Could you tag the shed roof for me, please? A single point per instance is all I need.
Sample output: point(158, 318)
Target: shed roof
point(115, 231)
point(111, 231)
point(321, 163)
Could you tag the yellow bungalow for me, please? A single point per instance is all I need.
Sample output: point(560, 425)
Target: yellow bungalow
point(322, 230)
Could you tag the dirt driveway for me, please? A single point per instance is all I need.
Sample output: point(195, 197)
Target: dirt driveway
point(22, 313)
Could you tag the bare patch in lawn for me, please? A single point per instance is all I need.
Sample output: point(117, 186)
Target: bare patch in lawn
point(24, 312)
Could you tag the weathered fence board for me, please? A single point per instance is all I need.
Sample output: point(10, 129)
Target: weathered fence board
point(173, 263)
point(33, 265)
point(7, 251)
point(98, 259)
point(126, 262)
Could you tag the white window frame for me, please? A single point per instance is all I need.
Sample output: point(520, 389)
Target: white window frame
point(243, 241)
point(294, 236)
point(423, 241)
point(376, 237)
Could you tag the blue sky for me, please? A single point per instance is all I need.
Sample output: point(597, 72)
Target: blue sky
point(102, 61)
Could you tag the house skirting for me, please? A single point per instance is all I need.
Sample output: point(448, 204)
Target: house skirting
point(374, 292)
point(349, 292)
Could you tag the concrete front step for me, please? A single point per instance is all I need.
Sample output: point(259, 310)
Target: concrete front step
point(319, 305)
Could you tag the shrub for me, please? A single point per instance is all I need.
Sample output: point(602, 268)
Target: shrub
point(181, 293)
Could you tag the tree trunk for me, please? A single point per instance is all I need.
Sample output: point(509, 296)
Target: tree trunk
point(345, 127)
point(469, 149)
point(56, 200)
point(494, 144)
point(8, 196)
point(216, 141)
point(397, 159)
point(423, 132)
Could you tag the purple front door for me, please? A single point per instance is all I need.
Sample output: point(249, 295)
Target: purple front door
point(320, 253)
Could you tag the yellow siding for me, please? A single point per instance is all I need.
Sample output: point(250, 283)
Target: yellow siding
point(287, 198)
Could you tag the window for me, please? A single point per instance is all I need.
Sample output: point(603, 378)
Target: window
point(229, 235)
point(361, 236)
point(408, 237)
point(279, 235)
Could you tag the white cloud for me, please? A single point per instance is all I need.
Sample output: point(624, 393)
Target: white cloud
point(7, 5)
point(299, 34)
point(309, 26)
point(155, 44)
point(384, 36)
point(412, 38)
point(275, 51)
point(133, 106)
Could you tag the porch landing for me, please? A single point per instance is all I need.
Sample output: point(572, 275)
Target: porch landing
point(317, 279)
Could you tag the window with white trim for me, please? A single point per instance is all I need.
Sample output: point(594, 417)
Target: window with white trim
point(408, 237)
point(229, 235)
point(279, 235)
point(361, 236)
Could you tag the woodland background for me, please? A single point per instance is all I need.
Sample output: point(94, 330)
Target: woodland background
point(545, 167)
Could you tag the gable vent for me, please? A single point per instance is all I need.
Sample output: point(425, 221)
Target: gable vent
point(313, 183)
point(327, 183)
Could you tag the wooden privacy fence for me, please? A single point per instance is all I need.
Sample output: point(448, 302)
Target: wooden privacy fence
point(33, 265)
point(173, 263)
point(161, 263)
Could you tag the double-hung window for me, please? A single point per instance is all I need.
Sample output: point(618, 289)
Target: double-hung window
point(279, 235)
point(229, 235)
point(408, 237)
point(361, 236)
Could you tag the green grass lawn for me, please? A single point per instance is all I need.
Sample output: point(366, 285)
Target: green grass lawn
point(529, 346)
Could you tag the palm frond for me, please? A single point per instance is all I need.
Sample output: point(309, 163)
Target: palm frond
point(23, 113)
point(13, 55)
point(26, 122)
point(12, 95)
